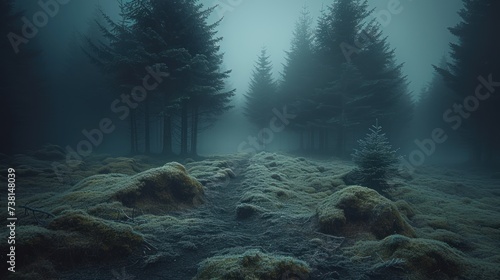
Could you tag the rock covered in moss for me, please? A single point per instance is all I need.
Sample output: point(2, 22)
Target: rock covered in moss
point(50, 152)
point(245, 210)
point(71, 239)
point(120, 165)
point(252, 264)
point(357, 210)
point(164, 188)
point(155, 191)
point(423, 258)
point(108, 239)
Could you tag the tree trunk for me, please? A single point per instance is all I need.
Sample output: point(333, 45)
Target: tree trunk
point(147, 136)
point(167, 135)
point(133, 133)
point(325, 136)
point(302, 148)
point(340, 141)
point(184, 127)
point(311, 139)
point(194, 131)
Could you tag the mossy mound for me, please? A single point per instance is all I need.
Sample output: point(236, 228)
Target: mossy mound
point(157, 191)
point(245, 211)
point(161, 189)
point(423, 258)
point(252, 264)
point(216, 170)
point(70, 240)
point(276, 183)
point(50, 152)
point(120, 165)
point(358, 211)
point(108, 239)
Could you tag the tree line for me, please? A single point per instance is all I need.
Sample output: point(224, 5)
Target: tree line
point(336, 86)
point(173, 37)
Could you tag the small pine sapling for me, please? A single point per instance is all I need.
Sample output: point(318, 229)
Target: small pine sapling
point(375, 159)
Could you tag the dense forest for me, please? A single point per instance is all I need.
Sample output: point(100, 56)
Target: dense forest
point(161, 66)
point(262, 139)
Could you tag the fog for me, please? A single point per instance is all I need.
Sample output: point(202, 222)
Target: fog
point(416, 30)
point(418, 33)
point(250, 139)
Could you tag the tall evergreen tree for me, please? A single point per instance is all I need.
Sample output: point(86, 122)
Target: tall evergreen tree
point(21, 90)
point(476, 55)
point(347, 40)
point(434, 100)
point(261, 96)
point(391, 101)
point(298, 78)
point(173, 35)
point(298, 71)
point(343, 104)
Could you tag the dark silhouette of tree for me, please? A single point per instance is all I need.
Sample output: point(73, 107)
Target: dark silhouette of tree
point(434, 100)
point(391, 102)
point(172, 36)
point(298, 78)
point(21, 90)
point(473, 74)
point(262, 93)
point(358, 79)
point(344, 104)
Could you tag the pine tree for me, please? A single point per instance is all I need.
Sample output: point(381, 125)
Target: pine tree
point(357, 83)
point(375, 158)
point(476, 55)
point(298, 71)
point(391, 102)
point(175, 36)
point(22, 89)
point(298, 78)
point(434, 100)
point(261, 95)
point(344, 104)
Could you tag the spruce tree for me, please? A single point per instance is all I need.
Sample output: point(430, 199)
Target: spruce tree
point(299, 75)
point(261, 95)
point(22, 88)
point(391, 101)
point(433, 101)
point(475, 64)
point(298, 70)
point(176, 37)
point(375, 159)
point(379, 90)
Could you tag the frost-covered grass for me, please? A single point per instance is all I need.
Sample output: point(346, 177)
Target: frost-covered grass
point(267, 201)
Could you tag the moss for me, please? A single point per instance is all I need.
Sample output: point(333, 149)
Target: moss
point(108, 239)
point(405, 208)
point(39, 270)
point(120, 165)
point(252, 264)
point(424, 258)
point(50, 153)
point(70, 240)
point(357, 210)
point(245, 210)
point(111, 211)
point(161, 189)
point(453, 239)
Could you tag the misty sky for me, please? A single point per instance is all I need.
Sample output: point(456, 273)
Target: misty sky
point(418, 33)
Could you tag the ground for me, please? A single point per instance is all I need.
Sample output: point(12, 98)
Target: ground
point(242, 216)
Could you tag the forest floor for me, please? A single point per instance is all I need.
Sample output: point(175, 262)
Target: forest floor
point(267, 203)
